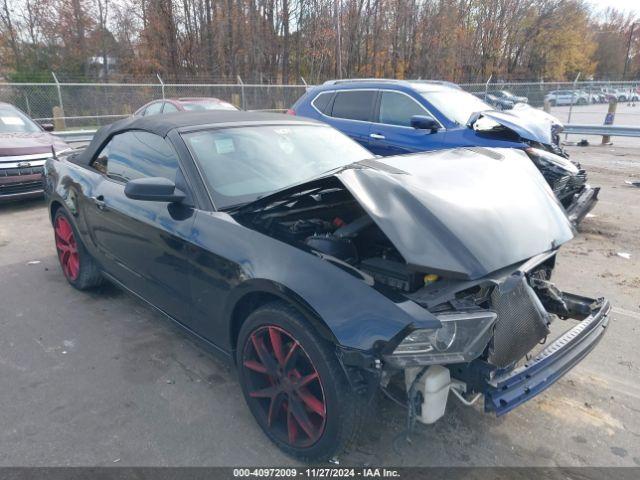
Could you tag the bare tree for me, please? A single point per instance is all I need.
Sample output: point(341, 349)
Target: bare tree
point(278, 40)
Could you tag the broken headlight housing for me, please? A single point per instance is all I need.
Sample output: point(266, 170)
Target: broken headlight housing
point(542, 158)
point(462, 337)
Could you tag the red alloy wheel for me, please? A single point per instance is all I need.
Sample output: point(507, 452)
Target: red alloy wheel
point(286, 386)
point(67, 248)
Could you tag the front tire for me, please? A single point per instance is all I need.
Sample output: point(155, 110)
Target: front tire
point(294, 386)
point(79, 268)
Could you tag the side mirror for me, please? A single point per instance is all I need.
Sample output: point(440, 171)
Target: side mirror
point(153, 189)
point(423, 122)
point(47, 127)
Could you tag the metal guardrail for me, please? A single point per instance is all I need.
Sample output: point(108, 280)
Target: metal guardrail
point(605, 130)
point(80, 117)
point(76, 136)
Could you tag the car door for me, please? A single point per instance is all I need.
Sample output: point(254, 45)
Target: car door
point(565, 97)
point(559, 97)
point(392, 133)
point(351, 113)
point(142, 244)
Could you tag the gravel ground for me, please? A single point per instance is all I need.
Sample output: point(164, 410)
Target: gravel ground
point(100, 379)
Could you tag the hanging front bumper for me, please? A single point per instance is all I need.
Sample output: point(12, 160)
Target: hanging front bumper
point(505, 392)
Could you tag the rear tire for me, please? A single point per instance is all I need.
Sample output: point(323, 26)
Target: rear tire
point(552, 103)
point(278, 350)
point(78, 266)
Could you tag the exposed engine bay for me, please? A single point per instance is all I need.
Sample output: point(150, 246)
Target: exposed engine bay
point(332, 224)
point(326, 220)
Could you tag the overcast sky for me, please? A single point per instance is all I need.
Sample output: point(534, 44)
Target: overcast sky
point(628, 5)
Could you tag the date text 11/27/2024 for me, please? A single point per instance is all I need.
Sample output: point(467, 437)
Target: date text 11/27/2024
point(316, 472)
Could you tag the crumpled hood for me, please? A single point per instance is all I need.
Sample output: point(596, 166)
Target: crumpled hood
point(528, 125)
point(462, 213)
point(524, 110)
point(20, 143)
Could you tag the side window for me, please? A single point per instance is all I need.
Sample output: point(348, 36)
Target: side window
point(397, 109)
point(322, 102)
point(153, 109)
point(169, 108)
point(137, 154)
point(353, 105)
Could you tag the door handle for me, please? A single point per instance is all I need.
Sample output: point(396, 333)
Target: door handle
point(377, 136)
point(99, 202)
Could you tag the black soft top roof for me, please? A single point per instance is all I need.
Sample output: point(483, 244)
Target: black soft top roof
point(163, 124)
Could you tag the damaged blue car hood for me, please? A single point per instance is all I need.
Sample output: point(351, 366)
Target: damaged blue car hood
point(528, 124)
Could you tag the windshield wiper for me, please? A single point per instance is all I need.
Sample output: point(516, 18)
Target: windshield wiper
point(256, 205)
point(287, 197)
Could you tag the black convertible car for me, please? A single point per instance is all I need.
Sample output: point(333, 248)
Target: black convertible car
point(326, 275)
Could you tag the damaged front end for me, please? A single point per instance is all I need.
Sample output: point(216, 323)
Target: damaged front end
point(514, 311)
point(509, 389)
point(568, 182)
point(464, 242)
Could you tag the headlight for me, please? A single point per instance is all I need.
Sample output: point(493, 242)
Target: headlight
point(544, 157)
point(461, 338)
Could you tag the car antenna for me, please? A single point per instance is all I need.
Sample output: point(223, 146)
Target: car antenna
point(53, 153)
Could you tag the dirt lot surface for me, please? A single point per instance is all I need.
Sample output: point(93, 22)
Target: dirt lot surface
point(100, 379)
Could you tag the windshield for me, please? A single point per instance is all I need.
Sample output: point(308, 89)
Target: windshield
point(243, 164)
point(456, 105)
point(14, 121)
point(208, 106)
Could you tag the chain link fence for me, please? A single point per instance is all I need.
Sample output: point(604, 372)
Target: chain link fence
point(90, 105)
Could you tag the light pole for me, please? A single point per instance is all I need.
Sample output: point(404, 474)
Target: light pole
point(626, 58)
